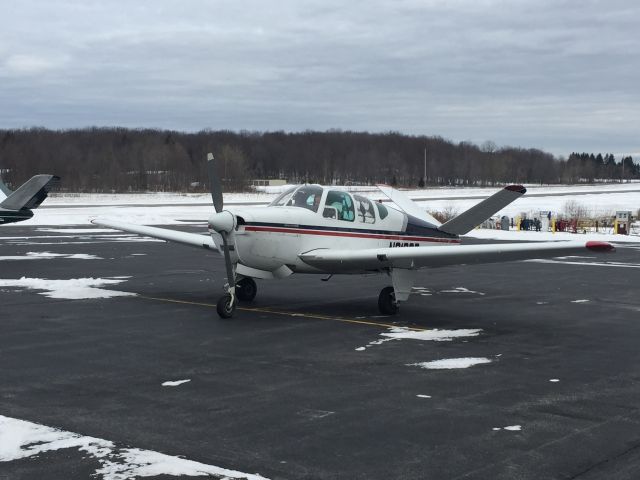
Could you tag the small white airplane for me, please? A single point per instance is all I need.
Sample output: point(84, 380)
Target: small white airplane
point(325, 230)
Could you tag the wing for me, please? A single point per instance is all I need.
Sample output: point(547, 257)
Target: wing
point(191, 239)
point(347, 261)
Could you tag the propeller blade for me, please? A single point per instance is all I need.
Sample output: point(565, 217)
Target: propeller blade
point(214, 184)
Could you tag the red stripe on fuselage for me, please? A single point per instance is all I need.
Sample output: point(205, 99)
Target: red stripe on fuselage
point(304, 231)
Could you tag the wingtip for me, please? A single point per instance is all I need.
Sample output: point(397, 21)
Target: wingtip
point(516, 188)
point(598, 246)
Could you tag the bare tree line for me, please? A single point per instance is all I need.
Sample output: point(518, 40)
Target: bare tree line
point(120, 160)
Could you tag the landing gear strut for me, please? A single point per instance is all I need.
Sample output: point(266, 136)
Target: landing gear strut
point(387, 303)
point(246, 289)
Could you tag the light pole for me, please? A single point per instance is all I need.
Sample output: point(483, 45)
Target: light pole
point(425, 166)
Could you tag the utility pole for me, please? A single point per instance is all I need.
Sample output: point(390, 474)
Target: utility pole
point(425, 165)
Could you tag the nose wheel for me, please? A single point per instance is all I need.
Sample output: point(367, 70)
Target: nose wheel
point(226, 305)
point(245, 291)
point(387, 303)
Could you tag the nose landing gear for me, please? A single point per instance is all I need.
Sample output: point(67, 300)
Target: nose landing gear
point(245, 290)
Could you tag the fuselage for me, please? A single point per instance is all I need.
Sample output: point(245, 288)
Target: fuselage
point(311, 217)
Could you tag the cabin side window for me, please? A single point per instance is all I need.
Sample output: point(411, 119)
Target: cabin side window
point(364, 209)
point(339, 205)
point(382, 210)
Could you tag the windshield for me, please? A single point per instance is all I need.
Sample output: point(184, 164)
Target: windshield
point(283, 198)
point(305, 196)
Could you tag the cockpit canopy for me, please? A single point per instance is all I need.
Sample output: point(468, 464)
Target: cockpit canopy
point(338, 204)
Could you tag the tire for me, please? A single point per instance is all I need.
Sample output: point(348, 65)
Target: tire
point(224, 307)
point(246, 289)
point(387, 301)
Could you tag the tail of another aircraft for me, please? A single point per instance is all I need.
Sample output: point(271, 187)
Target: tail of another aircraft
point(29, 195)
point(468, 220)
point(4, 190)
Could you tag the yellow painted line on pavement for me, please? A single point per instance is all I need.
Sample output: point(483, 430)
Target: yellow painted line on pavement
point(285, 313)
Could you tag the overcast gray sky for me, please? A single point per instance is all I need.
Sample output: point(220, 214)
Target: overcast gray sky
point(557, 75)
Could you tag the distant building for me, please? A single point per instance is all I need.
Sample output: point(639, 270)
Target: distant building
point(274, 182)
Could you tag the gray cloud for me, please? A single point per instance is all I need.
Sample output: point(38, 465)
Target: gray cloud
point(549, 74)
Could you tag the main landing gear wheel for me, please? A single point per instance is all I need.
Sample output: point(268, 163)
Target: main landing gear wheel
point(225, 306)
point(387, 301)
point(246, 289)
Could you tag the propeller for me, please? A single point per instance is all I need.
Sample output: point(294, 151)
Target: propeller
point(223, 222)
point(214, 184)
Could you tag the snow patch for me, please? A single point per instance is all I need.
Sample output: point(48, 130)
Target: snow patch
point(47, 255)
point(71, 289)
point(434, 335)
point(21, 439)
point(451, 363)
point(425, 292)
point(175, 383)
point(512, 428)
point(86, 231)
point(461, 290)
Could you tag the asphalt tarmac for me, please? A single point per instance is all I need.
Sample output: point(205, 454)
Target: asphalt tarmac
point(286, 390)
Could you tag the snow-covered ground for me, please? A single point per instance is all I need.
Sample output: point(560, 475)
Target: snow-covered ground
point(175, 208)
point(21, 439)
point(69, 289)
point(71, 199)
point(529, 236)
